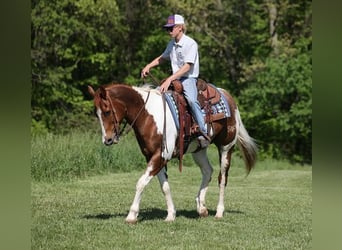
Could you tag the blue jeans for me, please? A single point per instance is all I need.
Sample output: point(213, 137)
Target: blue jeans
point(190, 93)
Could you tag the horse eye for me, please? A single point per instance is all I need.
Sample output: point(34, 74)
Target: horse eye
point(107, 113)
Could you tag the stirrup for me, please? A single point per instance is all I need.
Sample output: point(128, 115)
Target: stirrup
point(203, 142)
point(207, 137)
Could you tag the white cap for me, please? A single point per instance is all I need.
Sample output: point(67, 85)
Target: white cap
point(173, 20)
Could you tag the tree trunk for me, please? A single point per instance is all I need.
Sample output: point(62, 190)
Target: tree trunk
point(272, 9)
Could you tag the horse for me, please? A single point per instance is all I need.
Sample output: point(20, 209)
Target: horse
point(155, 130)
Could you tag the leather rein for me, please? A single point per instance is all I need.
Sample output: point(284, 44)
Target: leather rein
point(123, 131)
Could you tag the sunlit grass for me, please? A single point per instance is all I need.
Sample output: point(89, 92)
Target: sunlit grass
point(56, 157)
point(82, 190)
point(266, 210)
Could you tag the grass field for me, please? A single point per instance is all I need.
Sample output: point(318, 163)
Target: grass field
point(270, 209)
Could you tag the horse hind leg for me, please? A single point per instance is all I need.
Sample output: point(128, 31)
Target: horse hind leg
point(202, 161)
point(165, 187)
point(225, 160)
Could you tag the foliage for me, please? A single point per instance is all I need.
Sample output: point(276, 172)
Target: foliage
point(243, 44)
point(73, 43)
point(278, 107)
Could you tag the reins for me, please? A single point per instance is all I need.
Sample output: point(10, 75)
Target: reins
point(153, 78)
point(116, 123)
point(164, 144)
point(135, 119)
point(123, 131)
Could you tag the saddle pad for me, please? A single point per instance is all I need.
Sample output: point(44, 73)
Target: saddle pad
point(221, 107)
point(173, 107)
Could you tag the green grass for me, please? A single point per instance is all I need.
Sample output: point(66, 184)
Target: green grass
point(79, 155)
point(82, 190)
point(270, 209)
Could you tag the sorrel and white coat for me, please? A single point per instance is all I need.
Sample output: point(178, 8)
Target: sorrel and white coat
point(143, 109)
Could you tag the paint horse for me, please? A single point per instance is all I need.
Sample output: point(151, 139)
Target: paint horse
point(143, 109)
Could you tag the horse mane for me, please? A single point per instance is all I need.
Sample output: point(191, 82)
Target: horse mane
point(108, 86)
point(148, 88)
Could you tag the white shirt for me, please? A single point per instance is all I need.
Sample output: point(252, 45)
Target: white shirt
point(185, 51)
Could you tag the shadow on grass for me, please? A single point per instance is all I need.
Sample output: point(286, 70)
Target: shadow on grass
point(101, 216)
point(157, 214)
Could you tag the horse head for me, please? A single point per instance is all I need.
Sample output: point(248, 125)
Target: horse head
point(110, 113)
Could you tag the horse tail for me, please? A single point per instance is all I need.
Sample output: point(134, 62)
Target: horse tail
point(246, 143)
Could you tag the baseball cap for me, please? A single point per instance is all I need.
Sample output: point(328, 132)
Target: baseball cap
point(173, 20)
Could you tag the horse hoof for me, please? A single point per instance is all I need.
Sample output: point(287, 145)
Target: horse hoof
point(167, 219)
point(131, 222)
point(218, 217)
point(204, 213)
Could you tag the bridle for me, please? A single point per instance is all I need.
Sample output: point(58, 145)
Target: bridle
point(116, 130)
point(123, 131)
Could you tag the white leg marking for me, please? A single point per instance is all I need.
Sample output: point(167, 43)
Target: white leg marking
point(141, 184)
point(220, 205)
point(224, 165)
point(202, 161)
point(164, 184)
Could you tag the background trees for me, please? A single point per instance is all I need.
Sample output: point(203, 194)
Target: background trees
point(259, 50)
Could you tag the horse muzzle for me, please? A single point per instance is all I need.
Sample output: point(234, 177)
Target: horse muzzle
point(111, 140)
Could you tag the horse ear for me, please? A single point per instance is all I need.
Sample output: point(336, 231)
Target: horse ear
point(103, 93)
point(91, 91)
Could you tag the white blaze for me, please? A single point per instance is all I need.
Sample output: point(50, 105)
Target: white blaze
point(99, 112)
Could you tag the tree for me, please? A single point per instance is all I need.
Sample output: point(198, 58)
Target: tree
point(73, 43)
point(278, 98)
point(278, 106)
point(229, 32)
point(259, 50)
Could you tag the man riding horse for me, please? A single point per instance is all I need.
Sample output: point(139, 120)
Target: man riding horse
point(182, 51)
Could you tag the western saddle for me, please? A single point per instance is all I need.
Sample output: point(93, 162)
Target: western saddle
point(188, 128)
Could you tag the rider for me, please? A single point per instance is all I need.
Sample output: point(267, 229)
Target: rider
point(182, 51)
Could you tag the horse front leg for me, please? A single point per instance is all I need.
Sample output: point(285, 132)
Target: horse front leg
point(202, 161)
point(165, 187)
point(225, 159)
point(132, 216)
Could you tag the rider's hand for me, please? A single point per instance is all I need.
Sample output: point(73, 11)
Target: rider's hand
point(165, 85)
point(145, 71)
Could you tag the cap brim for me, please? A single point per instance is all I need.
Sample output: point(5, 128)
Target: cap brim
point(168, 25)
